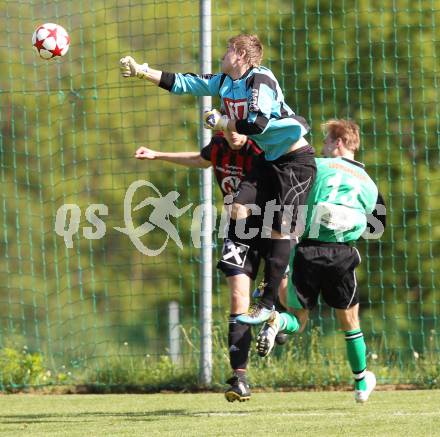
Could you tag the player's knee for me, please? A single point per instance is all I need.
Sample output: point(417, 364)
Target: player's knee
point(277, 235)
point(239, 301)
point(348, 318)
point(239, 211)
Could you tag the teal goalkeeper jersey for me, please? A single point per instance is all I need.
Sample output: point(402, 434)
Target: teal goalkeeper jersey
point(339, 201)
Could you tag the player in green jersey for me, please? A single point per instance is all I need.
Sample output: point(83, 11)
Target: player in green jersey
point(324, 261)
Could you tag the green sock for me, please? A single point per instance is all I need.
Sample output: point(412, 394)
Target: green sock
point(288, 323)
point(356, 352)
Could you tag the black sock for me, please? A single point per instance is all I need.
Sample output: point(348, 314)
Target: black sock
point(239, 341)
point(277, 260)
point(279, 306)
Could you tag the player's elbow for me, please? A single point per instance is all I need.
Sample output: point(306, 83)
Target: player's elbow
point(202, 163)
point(252, 128)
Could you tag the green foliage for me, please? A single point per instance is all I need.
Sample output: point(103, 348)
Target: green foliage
point(134, 374)
point(302, 363)
point(19, 369)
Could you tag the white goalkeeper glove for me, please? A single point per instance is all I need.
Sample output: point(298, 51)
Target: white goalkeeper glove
point(130, 68)
point(214, 120)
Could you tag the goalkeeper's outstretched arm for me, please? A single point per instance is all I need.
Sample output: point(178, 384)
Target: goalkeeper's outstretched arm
point(187, 159)
point(213, 119)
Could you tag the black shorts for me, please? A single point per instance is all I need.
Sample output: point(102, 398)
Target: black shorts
point(239, 258)
point(285, 181)
point(326, 268)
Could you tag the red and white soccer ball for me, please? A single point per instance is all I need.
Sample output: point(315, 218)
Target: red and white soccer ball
point(50, 41)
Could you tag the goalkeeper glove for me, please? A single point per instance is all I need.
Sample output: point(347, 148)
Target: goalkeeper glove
point(214, 120)
point(130, 68)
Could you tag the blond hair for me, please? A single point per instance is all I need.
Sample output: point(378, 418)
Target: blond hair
point(346, 130)
point(251, 45)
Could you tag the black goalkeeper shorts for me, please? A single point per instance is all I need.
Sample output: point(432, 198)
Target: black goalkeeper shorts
point(326, 268)
point(239, 258)
point(285, 182)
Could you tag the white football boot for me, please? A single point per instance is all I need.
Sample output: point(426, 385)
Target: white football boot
point(267, 335)
point(362, 396)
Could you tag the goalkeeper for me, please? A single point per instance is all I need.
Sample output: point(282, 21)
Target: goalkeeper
point(231, 156)
point(325, 260)
point(254, 105)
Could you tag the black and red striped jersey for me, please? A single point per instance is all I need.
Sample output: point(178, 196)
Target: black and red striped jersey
point(230, 166)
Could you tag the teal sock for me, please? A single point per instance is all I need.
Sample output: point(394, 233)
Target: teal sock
point(288, 323)
point(356, 353)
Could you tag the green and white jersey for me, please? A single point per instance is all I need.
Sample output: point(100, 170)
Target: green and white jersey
point(339, 201)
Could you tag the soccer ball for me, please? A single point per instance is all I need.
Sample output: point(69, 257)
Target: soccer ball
point(50, 40)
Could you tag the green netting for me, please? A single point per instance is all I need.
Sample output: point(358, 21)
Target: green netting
point(69, 129)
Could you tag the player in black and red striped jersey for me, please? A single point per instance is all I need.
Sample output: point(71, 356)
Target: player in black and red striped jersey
point(232, 156)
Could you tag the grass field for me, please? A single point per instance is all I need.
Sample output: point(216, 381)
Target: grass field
point(388, 413)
